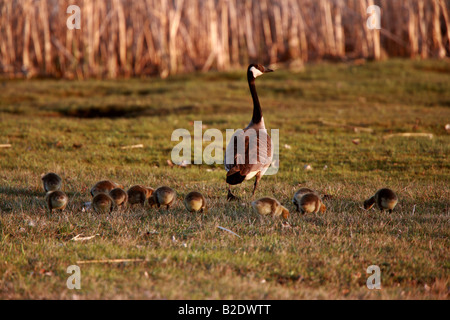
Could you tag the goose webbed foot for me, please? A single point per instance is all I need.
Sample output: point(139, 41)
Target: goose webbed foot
point(231, 196)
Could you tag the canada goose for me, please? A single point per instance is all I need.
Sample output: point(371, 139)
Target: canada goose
point(52, 182)
point(299, 194)
point(195, 202)
point(384, 199)
point(257, 155)
point(139, 194)
point(104, 186)
point(270, 206)
point(56, 200)
point(103, 203)
point(119, 196)
point(163, 196)
point(311, 203)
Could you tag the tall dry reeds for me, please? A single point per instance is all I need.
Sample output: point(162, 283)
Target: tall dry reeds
point(122, 38)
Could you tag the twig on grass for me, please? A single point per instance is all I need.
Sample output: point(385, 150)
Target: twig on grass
point(137, 146)
point(225, 229)
point(79, 238)
point(409, 134)
point(110, 261)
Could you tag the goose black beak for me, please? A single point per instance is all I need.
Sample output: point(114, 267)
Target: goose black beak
point(267, 70)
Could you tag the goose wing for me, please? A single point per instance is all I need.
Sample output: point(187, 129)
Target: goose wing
point(257, 155)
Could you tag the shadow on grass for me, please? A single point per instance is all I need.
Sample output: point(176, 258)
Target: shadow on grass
point(21, 192)
point(9, 204)
point(120, 111)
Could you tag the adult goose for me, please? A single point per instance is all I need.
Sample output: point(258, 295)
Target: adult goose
point(249, 152)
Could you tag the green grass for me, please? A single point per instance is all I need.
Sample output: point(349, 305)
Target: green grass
point(188, 257)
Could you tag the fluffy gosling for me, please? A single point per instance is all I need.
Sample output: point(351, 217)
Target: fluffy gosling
point(104, 186)
point(195, 202)
point(103, 203)
point(270, 206)
point(119, 196)
point(384, 199)
point(299, 194)
point(56, 200)
point(139, 194)
point(52, 182)
point(163, 196)
point(311, 203)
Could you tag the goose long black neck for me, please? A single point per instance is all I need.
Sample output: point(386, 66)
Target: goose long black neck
point(257, 112)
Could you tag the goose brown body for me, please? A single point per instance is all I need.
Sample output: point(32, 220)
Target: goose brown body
point(163, 196)
point(104, 186)
point(139, 194)
point(384, 199)
point(56, 200)
point(195, 202)
point(270, 206)
point(52, 182)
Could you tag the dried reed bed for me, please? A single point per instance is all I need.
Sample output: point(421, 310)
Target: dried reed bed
point(123, 38)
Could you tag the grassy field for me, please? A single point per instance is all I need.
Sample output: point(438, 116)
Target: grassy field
point(77, 129)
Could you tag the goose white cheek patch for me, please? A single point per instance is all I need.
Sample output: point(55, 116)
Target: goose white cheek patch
point(256, 72)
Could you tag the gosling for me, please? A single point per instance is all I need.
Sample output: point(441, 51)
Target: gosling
point(104, 186)
point(384, 199)
point(311, 203)
point(299, 194)
point(139, 194)
point(103, 203)
point(195, 202)
point(52, 182)
point(270, 206)
point(119, 196)
point(163, 196)
point(56, 200)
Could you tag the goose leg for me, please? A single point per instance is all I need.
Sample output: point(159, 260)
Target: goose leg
point(258, 178)
point(231, 196)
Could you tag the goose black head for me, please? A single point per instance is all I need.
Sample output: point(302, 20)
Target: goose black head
point(255, 70)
